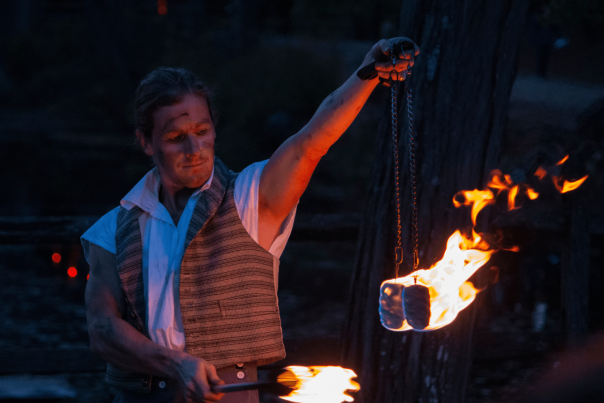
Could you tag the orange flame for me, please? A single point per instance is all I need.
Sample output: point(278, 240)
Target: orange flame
point(498, 183)
point(560, 183)
point(320, 384)
point(540, 173)
point(564, 186)
point(562, 161)
point(512, 198)
point(531, 194)
point(479, 199)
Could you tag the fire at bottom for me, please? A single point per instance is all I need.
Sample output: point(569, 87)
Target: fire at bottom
point(317, 384)
point(430, 299)
point(320, 384)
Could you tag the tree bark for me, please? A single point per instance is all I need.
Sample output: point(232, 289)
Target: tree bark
point(461, 85)
point(575, 267)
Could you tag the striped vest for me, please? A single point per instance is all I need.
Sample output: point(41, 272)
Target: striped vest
point(227, 291)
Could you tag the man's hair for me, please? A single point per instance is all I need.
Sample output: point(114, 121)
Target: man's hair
point(166, 86)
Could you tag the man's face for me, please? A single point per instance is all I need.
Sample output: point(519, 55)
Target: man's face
point(182, 143)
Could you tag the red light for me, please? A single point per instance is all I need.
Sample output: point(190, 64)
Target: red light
point(88, 277)
point(162, 7)
point(56, 257)
point(72, 272)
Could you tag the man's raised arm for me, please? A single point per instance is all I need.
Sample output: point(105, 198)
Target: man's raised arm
point(290, 168)
point(120, 344)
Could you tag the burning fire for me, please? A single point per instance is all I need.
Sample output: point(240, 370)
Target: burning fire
point(564, 186)
point(319, 384)
point(446, 280)
point(560, 183)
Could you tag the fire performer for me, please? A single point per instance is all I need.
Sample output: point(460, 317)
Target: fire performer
point(183, 274)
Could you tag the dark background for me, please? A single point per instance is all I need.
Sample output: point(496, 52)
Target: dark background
point(68, 71)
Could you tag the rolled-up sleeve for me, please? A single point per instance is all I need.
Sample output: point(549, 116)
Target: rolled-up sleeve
point(102, 233)
point(246, 200)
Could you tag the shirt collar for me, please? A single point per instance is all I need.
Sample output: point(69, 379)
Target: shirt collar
point(145, 194)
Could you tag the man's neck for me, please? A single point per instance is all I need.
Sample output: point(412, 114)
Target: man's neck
point(175, 201)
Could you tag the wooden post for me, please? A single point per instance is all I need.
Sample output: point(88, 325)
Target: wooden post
point(461, 85)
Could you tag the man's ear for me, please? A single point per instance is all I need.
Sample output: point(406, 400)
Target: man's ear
point(145, 143)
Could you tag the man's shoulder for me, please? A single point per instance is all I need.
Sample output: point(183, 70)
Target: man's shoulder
point(107, 222)
point(251, 172)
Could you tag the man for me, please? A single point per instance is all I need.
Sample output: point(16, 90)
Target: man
point(183, 274)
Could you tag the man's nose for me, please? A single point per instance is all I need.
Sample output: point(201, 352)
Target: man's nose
point(193, 145)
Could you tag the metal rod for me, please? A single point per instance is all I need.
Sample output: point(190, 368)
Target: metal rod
point(271, 386)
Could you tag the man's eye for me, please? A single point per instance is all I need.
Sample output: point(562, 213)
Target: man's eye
point(202, 132)
point(176, 138)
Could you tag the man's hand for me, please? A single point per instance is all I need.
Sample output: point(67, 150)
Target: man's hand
point(380, 54)
point(196, 378)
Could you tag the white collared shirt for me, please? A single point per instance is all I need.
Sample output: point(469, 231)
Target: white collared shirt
point(164, 245)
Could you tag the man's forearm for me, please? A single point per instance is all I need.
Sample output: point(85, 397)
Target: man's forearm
point(336, 113)
point(289, 169)
point(121, 345)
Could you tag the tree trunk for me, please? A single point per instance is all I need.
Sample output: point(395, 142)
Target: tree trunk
point(461, 85)
point(575, 265)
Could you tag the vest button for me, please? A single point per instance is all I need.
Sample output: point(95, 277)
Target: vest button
point(162, 384)
point(240, 375)
point(145, 382)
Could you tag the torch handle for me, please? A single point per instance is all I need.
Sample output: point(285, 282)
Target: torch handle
point(238, 387)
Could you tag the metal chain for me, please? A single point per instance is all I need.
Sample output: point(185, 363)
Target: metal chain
point(398, 250)
point(412, 169)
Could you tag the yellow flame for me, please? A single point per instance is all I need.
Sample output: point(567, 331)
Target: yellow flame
point(567, 186)
point(478, 199)
point(531, 194)
point(504, 182)
point(498, 183)
point(322, 384)
point(561, 185)
point(562, 161)
point(512, 198)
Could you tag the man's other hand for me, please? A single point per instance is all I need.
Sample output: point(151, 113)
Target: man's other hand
point(196, 378)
